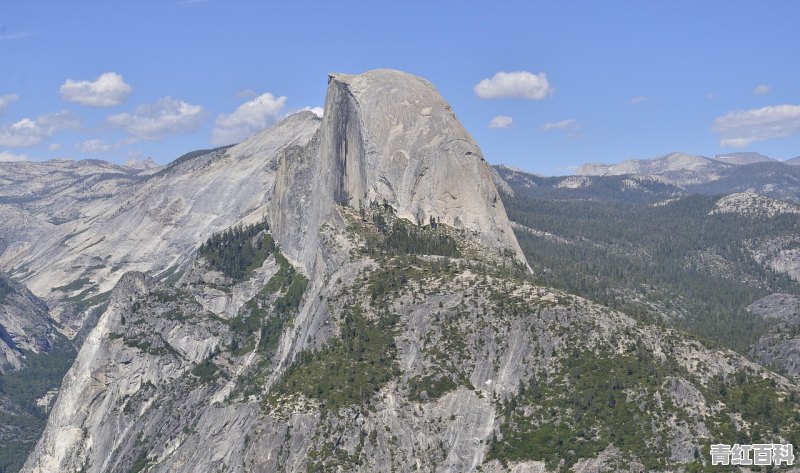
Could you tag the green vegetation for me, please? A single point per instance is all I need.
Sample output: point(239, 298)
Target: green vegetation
point(140, 463)
point(760, 403)
point(289, 280)
point(73, 286)
point(266, 314)
point(638, 259)
point(238, 251)
point(429, 388)
point(43, 372)
point(332, 458)
point(5, 287)
point(395, 236)
point(584, 408)
point(352, 368)
point(206, 371)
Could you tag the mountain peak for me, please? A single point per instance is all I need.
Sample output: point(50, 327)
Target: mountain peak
point(388, 136)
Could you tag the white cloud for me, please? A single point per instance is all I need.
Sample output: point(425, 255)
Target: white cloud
point(501, 121)
point(742, 127)
point(93, 146)
point(6, 156)
point(246, 94)
point(570, 126)
point(562, 125)
point(520, 84)
point(6, 100)
point(157, 120)
point(639, 99)
point(318, 111)
point(17, 35)
point(251, 117)
point(106, 91)
point(761, 89)
point(29, 132)
point(53, 147)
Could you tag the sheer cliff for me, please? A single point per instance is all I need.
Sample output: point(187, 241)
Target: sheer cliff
point(360, 303)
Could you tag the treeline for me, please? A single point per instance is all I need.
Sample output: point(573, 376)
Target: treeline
point(400, 237)
point(237, 251)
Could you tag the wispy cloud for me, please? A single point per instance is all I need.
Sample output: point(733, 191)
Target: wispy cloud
point(10, 36)
point(246, 94)
point(190, 2)
point(157, 120)
point(761, 89)
point(519, 84)
point(570, 127)
point(562, 125)
point(742, 127)
point(318, 111)
point(32, 131)
point(94, 146)
point(501, 121)
point(639, 99)
point(6, 100)
point(249, 118)
point(6, 156)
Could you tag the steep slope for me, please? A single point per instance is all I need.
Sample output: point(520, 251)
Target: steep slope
point(156, 224)
point(780, 347)
point(36, 197)
point(448, 364)
point(391, 137)
point(373, 323)
point(24, 325)
point(33, 358)
point(116, 222)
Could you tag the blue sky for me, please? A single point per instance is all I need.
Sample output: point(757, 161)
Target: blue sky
point(584, 81)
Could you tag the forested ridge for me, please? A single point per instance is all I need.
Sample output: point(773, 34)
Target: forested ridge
point(650, 260)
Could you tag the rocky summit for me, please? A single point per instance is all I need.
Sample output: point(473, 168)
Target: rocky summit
point(348, 294)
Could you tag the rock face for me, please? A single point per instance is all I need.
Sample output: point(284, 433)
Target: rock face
point(391, 328)
point(389, 136)
point(150, 224)
point(751, 203)
point(25, 325)
point(780, 347)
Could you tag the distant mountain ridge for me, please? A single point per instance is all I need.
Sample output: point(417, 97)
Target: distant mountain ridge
point(678, 168)
point(348, 293)
point(747, 157)
point(723, 174)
